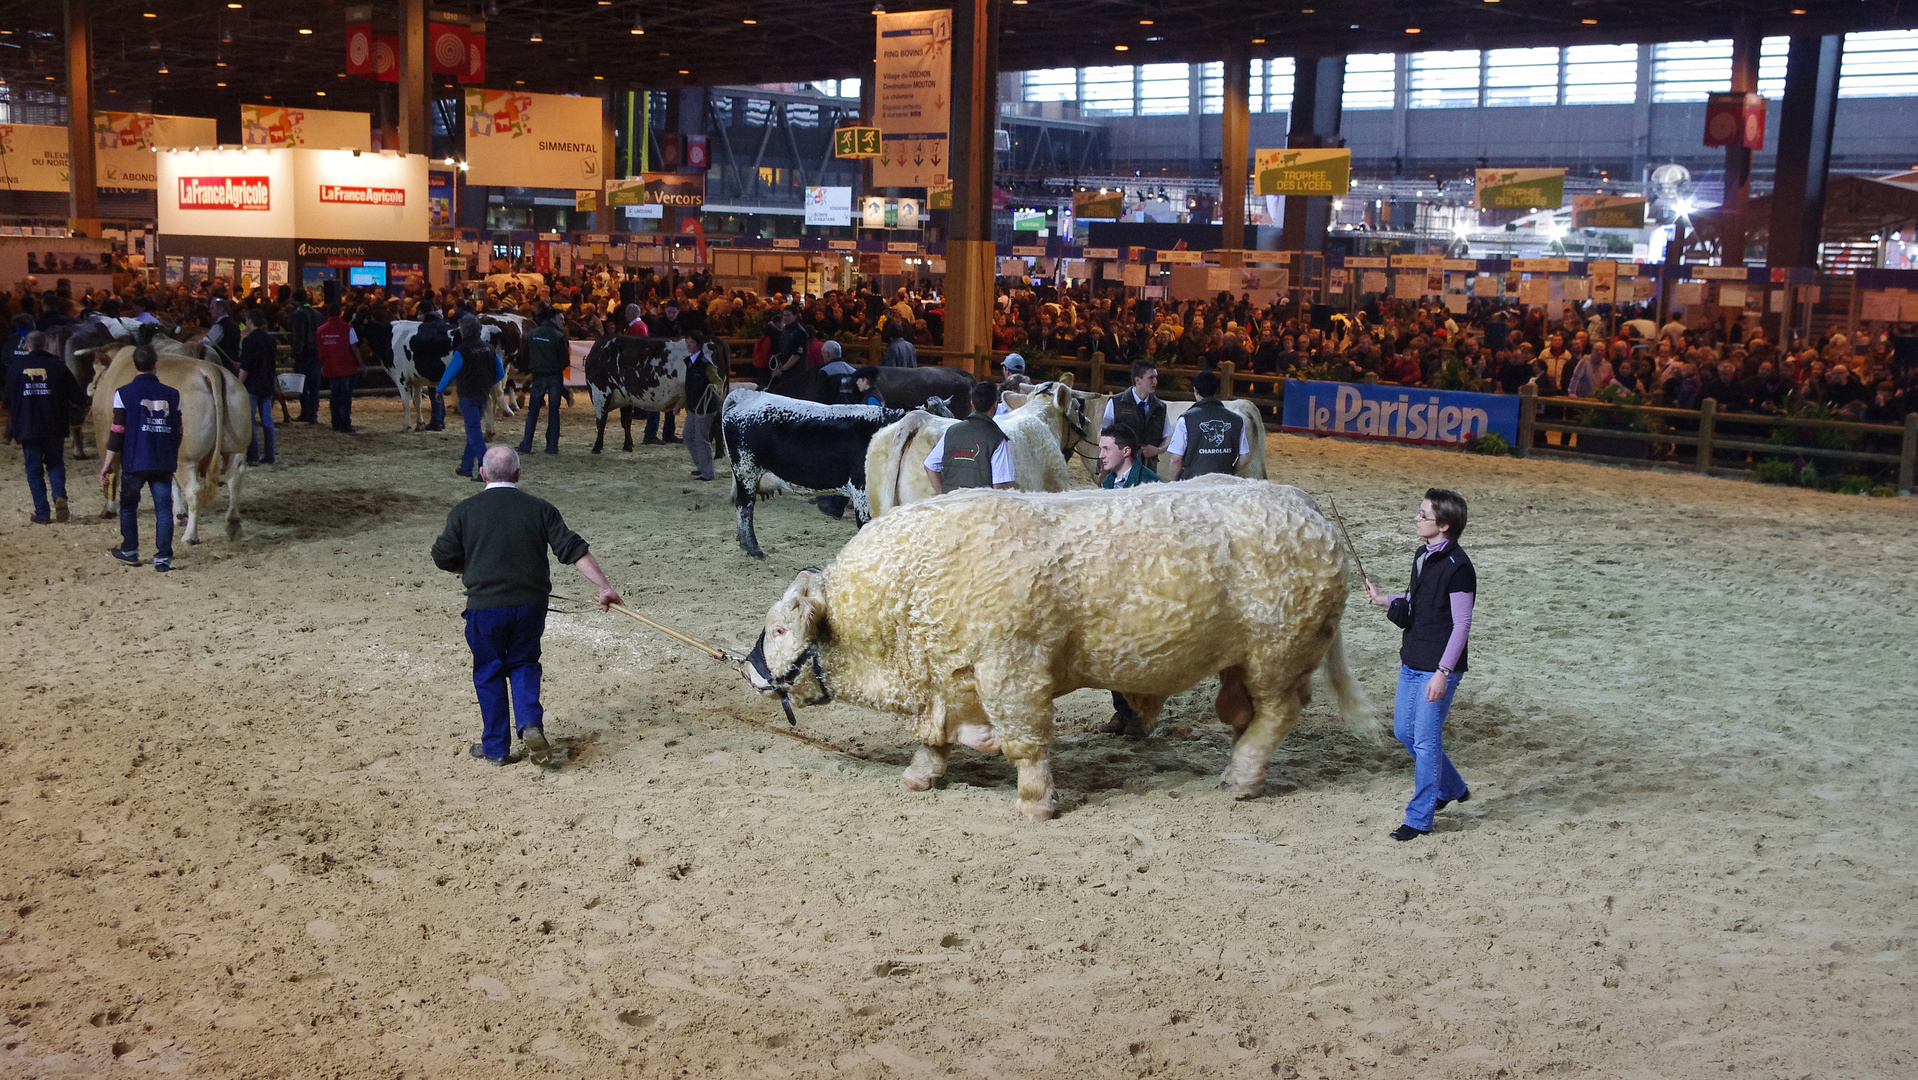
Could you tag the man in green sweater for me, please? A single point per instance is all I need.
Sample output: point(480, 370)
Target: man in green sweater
point(497, 542)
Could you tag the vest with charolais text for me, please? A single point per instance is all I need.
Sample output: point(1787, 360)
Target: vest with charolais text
point(1148, 423)
point(152, 439)
point(1212, 434)
point(969, 447)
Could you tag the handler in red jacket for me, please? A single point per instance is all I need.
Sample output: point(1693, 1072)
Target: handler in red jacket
point(339, 363)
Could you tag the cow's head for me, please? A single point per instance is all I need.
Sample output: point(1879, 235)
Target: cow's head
point(787, 652)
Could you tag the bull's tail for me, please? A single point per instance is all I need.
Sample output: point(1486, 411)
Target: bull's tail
point(885, 462)
point(1353, 704)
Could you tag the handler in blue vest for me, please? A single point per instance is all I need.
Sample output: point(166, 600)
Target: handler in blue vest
point(475, 368)
point(1436, 615)
point(973, 452)
point(41, 396)
point(145, 441)
point(497, 542)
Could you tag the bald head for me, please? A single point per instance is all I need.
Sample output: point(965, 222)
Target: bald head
point(501, 464)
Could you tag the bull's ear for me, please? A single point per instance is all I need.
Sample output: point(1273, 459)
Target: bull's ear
point(1062, 395)
point(808, 593)
point(1066, 378)
point(1014, 400)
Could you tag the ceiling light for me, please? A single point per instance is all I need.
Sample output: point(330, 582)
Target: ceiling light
point(519, 82)
point(601, 78)
point(219, 84)
point(235, 7)
point(683, 71)
point(306, 31)
point(151, 14)
point(1411, 29)
point(1589, 22)
point(1308, 11)
point(750, 22)
point(1145, 22)
point(1258, 41)
point(1121, 48)
point(219, 63)
point(1797, 11)
point(464, 166)
point(638, 28)
point(163, 70)
point(319, 93)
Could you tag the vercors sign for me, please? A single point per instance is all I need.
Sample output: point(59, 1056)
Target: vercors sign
point(363, 196)
point(226, 193)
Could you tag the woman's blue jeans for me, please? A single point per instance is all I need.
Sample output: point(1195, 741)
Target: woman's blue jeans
point(1420, 725)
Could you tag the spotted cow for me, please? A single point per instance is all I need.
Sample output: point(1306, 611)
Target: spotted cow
point(628, 373)
point(777, 443)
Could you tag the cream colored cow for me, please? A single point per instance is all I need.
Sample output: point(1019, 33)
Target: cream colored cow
point(1254, 466)
point(968, 614)
point(896, 457)
point(215, 425)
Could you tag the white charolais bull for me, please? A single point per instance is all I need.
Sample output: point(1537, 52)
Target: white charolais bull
point(968, 614)
point(216, 423)
point(896, 457)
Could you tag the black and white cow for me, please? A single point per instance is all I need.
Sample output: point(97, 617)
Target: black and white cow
point(899, 388)
point(415, 384)
point(777, 443)
point(628, 373)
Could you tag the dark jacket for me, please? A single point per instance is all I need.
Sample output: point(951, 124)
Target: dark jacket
point(1147, 423)
point(1425, 614)
point(548, 353)
point(497, 542)
point(257, 353)
point(146, 425)
point(41, 396)
point(304, 327)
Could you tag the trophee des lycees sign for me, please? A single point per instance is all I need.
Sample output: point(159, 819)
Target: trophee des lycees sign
point(1397, 413)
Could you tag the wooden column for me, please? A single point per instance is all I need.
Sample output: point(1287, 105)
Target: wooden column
point(416, 83)
point(83, 209)
point(1734, 225)
point(975, 111)
point(1235, 123)
point(1318, 90)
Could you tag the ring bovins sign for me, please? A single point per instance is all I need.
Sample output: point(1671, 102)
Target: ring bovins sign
point(226, 193)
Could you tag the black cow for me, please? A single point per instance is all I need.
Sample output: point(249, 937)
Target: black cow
point(628, 373)
point(899, 387)
point(776, 442)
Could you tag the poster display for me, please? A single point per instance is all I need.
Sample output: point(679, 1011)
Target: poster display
point(1303, 172)
point(516, 139)
point(1098, 205)
point(1519, 189)
point(223, 268)
point(872, 212)
point(1535, 292)
point(906, 214)
point(33, 157)
point(828, 206)
point(175, 269)
point(1608, 211)
point(275, 272)
point(657, 191)
point(250, 272)
point(278, 127)
point(1604, 281)
point(1397, 413)
point(124, 144)
point(913, 65)
point(1372, 281)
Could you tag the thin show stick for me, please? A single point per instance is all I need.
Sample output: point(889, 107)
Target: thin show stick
point(713, 651)
point(1343, 531)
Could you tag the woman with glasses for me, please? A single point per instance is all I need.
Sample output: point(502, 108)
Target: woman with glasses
point(1436, 615)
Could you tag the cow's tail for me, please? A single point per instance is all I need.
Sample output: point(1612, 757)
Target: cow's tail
point(1353, 704)
point(885, 461)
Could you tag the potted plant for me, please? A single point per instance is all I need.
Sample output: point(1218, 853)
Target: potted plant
point(1604, 412)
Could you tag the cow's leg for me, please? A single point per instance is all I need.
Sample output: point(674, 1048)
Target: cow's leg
point(744, 488)
point(1276, 704)
point(186, 500)
point(1145, 715)
point(935, 748)
point(1018, 704)
point(110, 493)
point(599, 441)
point(861, 505)
point(235, 465)
point(626, 422)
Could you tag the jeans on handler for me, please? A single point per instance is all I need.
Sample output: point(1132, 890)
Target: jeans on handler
point(652, 425)
point(1420, 725)
point(544, 390)
point(161, 484)
point(339, 402)
point(48, 455)
point(471, 412)
point(505, 644)
point(263, 410)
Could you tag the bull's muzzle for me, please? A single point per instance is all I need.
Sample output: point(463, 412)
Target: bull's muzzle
point(763, 679)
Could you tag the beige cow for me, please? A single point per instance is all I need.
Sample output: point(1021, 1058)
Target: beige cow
point(896, 456)
point(968, 614)
point(215, 426)
point(1254, 466)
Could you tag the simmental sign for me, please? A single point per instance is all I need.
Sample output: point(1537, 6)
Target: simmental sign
point(363, 196)
point(225, 193)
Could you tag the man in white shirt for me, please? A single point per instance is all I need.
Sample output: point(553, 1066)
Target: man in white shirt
point(955, 459)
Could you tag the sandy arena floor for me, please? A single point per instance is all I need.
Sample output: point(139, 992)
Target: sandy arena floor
point(245, 840)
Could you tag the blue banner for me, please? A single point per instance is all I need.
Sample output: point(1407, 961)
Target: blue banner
point(1410, 414)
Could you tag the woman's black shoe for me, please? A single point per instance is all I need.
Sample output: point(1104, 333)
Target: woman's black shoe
point(1406, 832)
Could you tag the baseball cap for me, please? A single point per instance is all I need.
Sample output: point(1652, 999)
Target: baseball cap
point(1014, 362)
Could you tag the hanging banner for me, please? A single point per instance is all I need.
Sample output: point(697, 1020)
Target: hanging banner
point(586, 200)
point(1608, 211)
point(445, 45)
point(359, 43)
point(475, 70)
point(278, 127)
point(1604, 281)
point(913, 63)
point(1398, 413)
point(532, 140)
point(1098, 204)
point(872, 212)
point(124, 145)
point(1520, 189)
point(386, 57)
point(829, 206)
point(33, 157)
point(1303, 172)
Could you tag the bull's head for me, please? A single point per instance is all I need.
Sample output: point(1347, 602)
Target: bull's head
point(788, 648)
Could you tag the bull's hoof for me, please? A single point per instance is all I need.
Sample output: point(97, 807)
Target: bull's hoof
point(911, 781)
point(1240, 791)
point(1040, 810)
point(595, 449)
point(232, 530)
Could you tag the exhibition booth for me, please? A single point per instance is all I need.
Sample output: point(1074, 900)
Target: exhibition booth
point(304, 217)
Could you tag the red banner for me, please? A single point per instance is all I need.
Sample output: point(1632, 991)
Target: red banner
point(359, 49)
point(226, 193)
point(386, 57)
point(446, 48)
point(475, 71)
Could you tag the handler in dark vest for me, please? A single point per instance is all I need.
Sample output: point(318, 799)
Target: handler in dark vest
point(145, 441)
point(224, 335)
point(974, 452)
point(548, 356)
point(474, 370)
point(1436, 615)
point(42, 396)
point(1142, 411)
point(1209, 438)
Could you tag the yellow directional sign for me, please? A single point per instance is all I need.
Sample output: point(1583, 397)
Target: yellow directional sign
point(855, 142)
